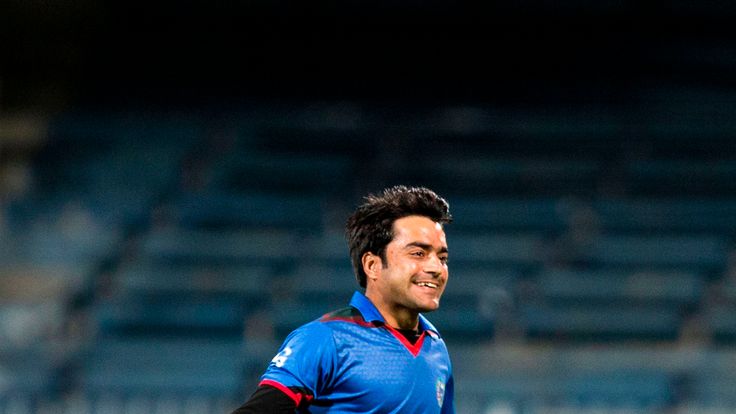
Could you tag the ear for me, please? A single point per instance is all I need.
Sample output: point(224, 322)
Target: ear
point(372, 265)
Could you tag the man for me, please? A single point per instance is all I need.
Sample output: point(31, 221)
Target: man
point(379, 355)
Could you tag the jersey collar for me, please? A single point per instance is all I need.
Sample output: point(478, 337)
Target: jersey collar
point(370, 313)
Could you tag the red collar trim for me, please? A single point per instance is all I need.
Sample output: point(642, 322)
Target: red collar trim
point(414, 349)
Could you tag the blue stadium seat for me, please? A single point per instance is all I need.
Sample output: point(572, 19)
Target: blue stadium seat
point(191, 280)
point(722, 322)
point(290, 314)
point(542, 215)
point(329, 247)
point(26, 372)
point(462, 323)
point(174, 315)
point(601, 322)
point(475, 174)
point(688, 252)
point(226, 210)
point(642, 390)
point(296, 173)
point(521, 249)
point(712, 390)
point(200, 246)
point(160, 366)
point(573, 392)
point(316, 282)
point(713, 216)
point(472, 280)
point(79, 244)
point(674, 177)
point(617, 286)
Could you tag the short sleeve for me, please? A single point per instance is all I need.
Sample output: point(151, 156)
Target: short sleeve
point(448, 404)
point(305, 360)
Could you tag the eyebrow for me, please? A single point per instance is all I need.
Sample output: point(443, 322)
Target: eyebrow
point(425, 246)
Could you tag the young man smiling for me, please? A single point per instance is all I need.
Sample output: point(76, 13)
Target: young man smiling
point(380, 354)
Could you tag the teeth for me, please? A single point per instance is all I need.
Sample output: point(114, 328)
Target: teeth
point(427, 284)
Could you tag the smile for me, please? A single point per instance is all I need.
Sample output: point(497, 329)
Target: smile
point(428, 284)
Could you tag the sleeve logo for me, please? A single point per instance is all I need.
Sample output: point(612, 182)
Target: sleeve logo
point(440, 386)
point(280, 359)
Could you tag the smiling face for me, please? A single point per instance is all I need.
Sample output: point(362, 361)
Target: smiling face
point(414, 274)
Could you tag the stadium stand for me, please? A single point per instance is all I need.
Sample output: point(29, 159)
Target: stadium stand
point(157, 261)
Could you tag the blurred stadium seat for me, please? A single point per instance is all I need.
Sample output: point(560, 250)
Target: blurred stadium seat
point(160, 263)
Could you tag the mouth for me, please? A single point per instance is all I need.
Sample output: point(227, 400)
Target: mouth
point(430, 285)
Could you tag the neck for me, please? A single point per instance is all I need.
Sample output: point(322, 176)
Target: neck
point(395, 316)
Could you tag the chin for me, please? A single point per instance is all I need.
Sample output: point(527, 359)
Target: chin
point(429, 307)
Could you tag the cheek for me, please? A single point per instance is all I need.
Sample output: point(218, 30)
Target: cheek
point(412, 267)
point(403, 271)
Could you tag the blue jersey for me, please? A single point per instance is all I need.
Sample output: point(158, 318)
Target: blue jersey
point(350, 361)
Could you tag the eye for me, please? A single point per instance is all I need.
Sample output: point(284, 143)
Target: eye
point(444, 259)
point(418, 253)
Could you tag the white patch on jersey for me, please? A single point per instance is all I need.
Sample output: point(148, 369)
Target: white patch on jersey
point(440, 391)
point(280, 359)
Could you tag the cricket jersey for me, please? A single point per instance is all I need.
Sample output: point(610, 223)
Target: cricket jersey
point(351, 361)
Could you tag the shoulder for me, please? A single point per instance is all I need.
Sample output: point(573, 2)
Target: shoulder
point(313, 330)
point(322, 331)
point(324, 326)
point(349, 314)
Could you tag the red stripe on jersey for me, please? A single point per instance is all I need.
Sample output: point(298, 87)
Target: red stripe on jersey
point(283, 388)
point(351, 319)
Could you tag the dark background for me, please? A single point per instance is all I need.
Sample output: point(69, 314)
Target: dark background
point(88, 53)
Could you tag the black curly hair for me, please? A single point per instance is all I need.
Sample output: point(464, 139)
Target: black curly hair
point(370, 227)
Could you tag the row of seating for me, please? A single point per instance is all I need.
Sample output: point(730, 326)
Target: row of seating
point(649, 307)
point(55, 241)
point(195, 249)
point(690, 252)
point(223, 209)
point(624, 215)
point(112, 403)
point(635, 377)
point(462, 174)
point(206, 366)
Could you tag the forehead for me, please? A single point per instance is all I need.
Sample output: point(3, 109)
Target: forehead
point(419, 228)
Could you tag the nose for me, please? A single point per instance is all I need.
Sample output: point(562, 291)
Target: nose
point(433, 265)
